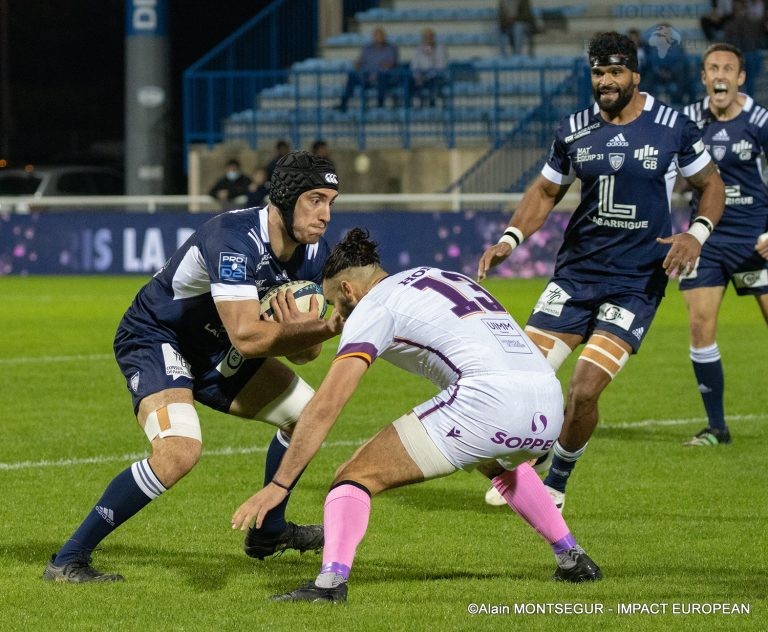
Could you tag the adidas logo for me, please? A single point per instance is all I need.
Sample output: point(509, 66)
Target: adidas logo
point(617, 141)
point(638, 333)
point(454, 432)
point(704, 389)
point(135, 382)
point(721, 136)
point(106, 513)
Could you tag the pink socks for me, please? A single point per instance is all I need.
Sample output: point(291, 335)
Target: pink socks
point(525, 493)
point(347, 508)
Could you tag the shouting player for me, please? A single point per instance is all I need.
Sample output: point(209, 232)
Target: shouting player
point(500, 404)
point(194, 333)
point(735, 130)
point(611, 271)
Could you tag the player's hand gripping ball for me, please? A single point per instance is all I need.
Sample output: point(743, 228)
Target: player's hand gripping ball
point(303, 291)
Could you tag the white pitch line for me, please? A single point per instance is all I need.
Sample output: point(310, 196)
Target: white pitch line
point(673, 422)
point(61, 358)
point(231, 451)
point(130, 457)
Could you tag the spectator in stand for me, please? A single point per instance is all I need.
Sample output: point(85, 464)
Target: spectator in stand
point(257, 189)
point(429, 68)
point(282, 148)
point(321, 148)
point(746, 31)
point(373, 68)
point(714, 22)
point(232, 188)
point(518, 23)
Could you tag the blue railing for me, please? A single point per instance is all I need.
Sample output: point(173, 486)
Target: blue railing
point(480, 102)
point(218, 84)
point(511, 163)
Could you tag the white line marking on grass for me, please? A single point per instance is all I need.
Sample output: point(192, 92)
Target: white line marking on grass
point(230, 451)
point(673, 422)
point(29, 465)
point(62, 358)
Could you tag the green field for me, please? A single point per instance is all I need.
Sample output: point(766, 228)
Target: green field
point(667, 525)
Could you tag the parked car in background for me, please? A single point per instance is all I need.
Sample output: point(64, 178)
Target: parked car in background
point(54, 181)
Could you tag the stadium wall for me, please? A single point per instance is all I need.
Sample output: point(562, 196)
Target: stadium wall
point(72, 243)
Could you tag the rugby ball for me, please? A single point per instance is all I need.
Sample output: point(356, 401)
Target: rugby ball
point(303, 291)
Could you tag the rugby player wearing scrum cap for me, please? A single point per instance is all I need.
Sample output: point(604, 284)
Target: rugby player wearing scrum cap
point(194, 333)
point(618, 248)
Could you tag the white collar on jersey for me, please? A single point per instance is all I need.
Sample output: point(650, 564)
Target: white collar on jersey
point(649, 101)
point(264, 224)
point(748, 102)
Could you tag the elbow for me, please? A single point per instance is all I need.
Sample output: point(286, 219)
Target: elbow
point(305, 356)
point(251, 346)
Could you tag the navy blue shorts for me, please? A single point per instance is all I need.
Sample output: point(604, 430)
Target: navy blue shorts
point(719, 263)
point(573, 307)
point(151, 365)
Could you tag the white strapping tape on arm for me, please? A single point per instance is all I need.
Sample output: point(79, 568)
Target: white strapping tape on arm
point(701, 228)
point(512, 236)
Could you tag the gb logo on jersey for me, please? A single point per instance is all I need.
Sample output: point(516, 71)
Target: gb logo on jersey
point(648, 155)
point(743, 149)
point(232, 266)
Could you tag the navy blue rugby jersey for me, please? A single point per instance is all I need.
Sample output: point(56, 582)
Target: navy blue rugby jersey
point(736, 146)
point(627, 173)
point(227, 258)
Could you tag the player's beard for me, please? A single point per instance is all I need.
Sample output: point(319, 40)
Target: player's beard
point(615, 107)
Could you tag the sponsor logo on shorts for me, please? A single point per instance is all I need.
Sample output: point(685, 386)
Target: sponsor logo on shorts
point(134, 382)
point(521, 443)
point(616, 315)
point(538, 423)
point(232, 266)
point(175, 364)
point(454, 432)
point(552, 300)
point(638, 333)
point(751, 278)
point(231, 363)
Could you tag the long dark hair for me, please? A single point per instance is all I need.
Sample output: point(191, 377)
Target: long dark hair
point(354, 251)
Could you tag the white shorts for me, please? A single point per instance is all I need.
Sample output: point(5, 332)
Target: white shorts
point(508, 417)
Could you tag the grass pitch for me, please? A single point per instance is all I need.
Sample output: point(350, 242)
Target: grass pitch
point(675, 530)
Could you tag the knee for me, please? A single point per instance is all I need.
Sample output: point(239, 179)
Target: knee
point(581, 396)
point(348, 472)
point(173, 457)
